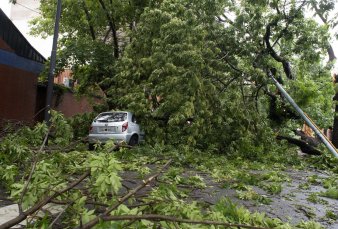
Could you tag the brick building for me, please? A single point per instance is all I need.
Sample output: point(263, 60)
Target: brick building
point(22, 97)
point(20, 66)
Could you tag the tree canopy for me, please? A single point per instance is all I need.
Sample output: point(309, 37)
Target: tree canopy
point(197, 72)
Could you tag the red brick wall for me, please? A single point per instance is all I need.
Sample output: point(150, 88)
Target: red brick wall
point(17, 94)
point(65, 102)
point(69, 105)
point(60, 78)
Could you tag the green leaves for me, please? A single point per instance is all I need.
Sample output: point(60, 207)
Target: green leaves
point(169, 51)
point(45, 180)
point(104, 174)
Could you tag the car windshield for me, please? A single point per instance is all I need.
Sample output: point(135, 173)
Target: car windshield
point(111, 117)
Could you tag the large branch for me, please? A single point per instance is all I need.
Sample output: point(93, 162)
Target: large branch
point(91, 28)
point(331, 54)
point(330, 51)
point(174, 219)
point(303, 145)
point(225, 19)
point(113, 29)
point(93, 222)
point(21, 217)
point(272, 52)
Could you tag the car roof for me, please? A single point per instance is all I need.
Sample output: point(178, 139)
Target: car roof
point(116, 112)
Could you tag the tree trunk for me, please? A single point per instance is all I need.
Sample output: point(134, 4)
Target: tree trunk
point(112, 26)
point(335, 123)
point(332, 57)
point(303, 145)
point(89, 19)
point(331, 54)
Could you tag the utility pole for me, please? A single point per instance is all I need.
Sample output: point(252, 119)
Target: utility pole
point(52, 64)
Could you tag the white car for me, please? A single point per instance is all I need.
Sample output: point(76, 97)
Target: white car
point(120, 126)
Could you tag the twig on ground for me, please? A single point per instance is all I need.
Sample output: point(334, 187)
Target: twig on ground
point(61, 202)
point(165, 218)
point(176, 225)
point(129, 224)
point(93, 222)
point(22, 216)
point(59, 215)
point(118, 146)
point(66, 149)
point(25, 188)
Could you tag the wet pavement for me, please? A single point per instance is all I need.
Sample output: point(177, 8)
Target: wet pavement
point(291, 205)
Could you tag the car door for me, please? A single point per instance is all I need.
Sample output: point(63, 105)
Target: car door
point(135, 128)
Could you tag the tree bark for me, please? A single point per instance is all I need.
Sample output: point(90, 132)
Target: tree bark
point(303, 145)
point(91, 28)
point(335, 123)
point(332, 57)
point(331, 54)
point(113, 29)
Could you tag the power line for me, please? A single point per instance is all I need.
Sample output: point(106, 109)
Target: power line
point(28, 8)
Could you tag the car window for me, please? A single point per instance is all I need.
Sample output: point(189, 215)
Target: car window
point(111, 117)
point(133, 118)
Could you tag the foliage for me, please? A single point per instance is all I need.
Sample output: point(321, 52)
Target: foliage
point(216, 56)
point(80, 124)
point(196, 73)
point(61, 131)
point(104, 174)
point(104, 186)
point(251, 194)
point(331, 192)
point(91, 44)
point(331, 215)
point(313, 197)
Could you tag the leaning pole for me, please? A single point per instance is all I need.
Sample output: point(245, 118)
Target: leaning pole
point(52, 64)
point(308, 121)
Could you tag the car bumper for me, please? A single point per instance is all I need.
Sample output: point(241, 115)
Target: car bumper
point(102, 138)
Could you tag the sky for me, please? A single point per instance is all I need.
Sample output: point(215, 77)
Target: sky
point(19, 15)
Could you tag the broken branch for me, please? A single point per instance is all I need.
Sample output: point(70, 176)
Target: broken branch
point(174, 219)
point(31, 172)
point(93, 222)
point(42, 203)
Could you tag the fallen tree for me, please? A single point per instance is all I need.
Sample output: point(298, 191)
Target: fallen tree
point(304, 146)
